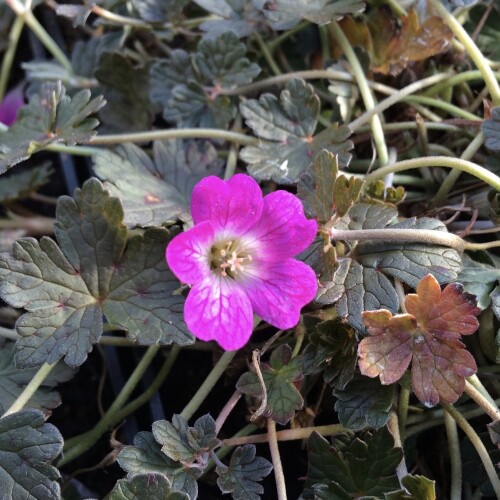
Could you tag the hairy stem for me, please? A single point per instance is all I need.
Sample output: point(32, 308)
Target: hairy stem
point(275, 455)
point(438, 161)
point(478, 445)
point(428, 236)
point(30, 389)
point(8, 58)
point(228, 408)
point(486, 403)
point(205, 388)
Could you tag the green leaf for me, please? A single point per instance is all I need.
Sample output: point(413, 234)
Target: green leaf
point(28, 445)
point(153, 191)
point(67, 289)
point(14, 380)
point(420, 487)
point(491, 130)
point(333, 349)
point(222, 62)
point(479, 279)
point(280, 376)
point(145, 486)
point(364, 466)
point(363, 402)
point(316, 11)
point(187, 444)
point(290, 123)
point(50, 116)
point(241, 478)
point(21, 183)
point(355, 289)
point(146, 457)
point(125, 87)
point(367, 216)
point(192, 106)
point(410, 262)
point(323, 192)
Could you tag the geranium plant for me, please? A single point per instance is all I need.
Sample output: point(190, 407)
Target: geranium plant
point(249, 249)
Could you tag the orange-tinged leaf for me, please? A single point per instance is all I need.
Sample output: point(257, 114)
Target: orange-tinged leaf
point(449, 313)
point(427, 337)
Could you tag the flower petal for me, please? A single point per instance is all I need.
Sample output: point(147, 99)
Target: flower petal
point(281, 290)
point(188, 253)
point(235, 204)
point(283, 230)
point(219, 309)
point(10, 105)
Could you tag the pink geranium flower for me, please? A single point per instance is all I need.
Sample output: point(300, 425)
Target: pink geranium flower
point(10, 104)
point(238, 259)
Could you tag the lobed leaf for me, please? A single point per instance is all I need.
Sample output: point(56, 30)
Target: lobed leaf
point(156, 190)
point(146, 457)
point(67, 289)
point(241, 478)
point(280, 376)
point(21, 183)
point(28, 445)
point(50, 116)
point(290, 123)
point(427, 337)
point(145, 486)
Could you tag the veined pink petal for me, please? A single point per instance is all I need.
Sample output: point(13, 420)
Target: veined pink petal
point(235, 205)
point(219, 309)
point(188, 253)
point(283, 230)
point(12, 101)
point(281, 290)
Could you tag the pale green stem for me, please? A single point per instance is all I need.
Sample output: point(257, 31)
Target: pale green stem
point(482, 398)
point(30, 389)
point(364, 89)
point(464, 77)
point(397, 97)
point(398, 9)
point(472, 50)
point(454, 174)
point(427, 236)
point(478, 445)
point(437, 161)
point(482, 246)
point(73, 150)
point(10, 53)
point(455, 456)
point(287, 435)
point(275, 455)
point(445, 106)
point(46, 40)
point(77, 445)
point(267, 54)
point(273, 44)
point(9, 334)
point(403, 126)
point(209, 383)
point(188, 133)
point(403, 403)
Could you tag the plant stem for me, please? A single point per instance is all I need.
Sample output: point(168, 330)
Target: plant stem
point(445, 106)
point(205, 388)
point(25, 13)
point(437, 161)
point(454, 174)
point(478, 445)
point(472, 50)
point(487, 403)
point(393, 426)
point(287, 435)
point(8, 58)
point(30, 389)
point(275, 455)
point(228, 408)
point(464, 77)
point(161, 135)
point(482, 246)
point(364, 89)
point(9, 333)
point(267, 54)
point(455, 457)
point(404, 399)
point(77, 445)
point(397, 97)
point(427, 236)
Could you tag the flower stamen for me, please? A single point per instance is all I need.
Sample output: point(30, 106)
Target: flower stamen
point(229, 258)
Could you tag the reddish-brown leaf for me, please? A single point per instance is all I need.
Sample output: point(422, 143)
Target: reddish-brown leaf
point(428, 337)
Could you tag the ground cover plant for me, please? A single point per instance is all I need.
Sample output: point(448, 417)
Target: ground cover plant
point(249, 249)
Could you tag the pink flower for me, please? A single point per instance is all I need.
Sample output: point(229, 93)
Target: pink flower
point(12, 101)
point(238, 259)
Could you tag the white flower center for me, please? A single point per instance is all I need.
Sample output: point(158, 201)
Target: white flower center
point(229, 258)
